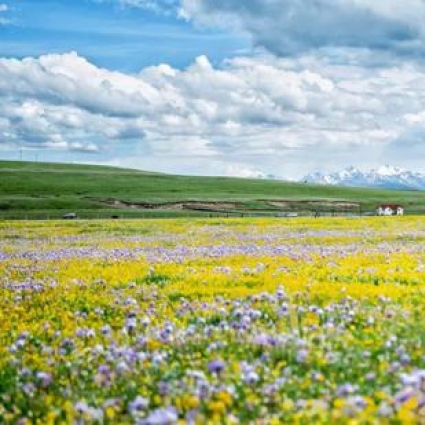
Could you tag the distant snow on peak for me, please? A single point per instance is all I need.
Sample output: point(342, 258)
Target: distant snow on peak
point(388, 170)
point(384, 177)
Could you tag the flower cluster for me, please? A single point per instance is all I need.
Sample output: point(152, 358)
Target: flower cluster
point(212, 321)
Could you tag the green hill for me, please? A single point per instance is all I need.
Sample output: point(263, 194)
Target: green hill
point(41, 190)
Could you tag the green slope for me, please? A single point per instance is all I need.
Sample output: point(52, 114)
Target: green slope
point(30, 189)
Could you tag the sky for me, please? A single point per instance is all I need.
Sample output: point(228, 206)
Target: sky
point(248, 88)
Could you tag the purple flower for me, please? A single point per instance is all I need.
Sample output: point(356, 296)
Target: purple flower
point(263, 340)
point(138, 404)
point(414, 379)
point(216, 366)
point(250, 377)
point(104, 369)
point(130, 325)
point(302, 356)
point(163, 388)
point(106, 330)
point(281, 292)
point(345, 390)
point(29, 389)
point(44, 378)
point(164, 416)
point(81, 407)
point(402, 396)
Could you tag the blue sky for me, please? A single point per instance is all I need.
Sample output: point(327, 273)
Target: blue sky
point(111, 35)
point(229, 87)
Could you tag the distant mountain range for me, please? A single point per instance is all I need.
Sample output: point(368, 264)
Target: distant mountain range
point(385, 177)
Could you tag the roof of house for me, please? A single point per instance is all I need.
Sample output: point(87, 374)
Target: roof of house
point(392, 206)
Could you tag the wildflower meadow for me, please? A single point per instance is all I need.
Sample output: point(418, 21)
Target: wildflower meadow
point(215, 321)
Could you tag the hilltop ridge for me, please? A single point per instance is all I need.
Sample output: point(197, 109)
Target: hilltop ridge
point(32, 190)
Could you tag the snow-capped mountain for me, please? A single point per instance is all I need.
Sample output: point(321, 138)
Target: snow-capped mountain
point(385, 177)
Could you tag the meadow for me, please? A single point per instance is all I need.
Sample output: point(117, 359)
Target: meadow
point(31, 190)
point(261, 321)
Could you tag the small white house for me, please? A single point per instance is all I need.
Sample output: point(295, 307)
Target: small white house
point(390, 209)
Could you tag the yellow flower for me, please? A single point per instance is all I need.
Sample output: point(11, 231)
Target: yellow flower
point(339, 403)
point(110, 413)
point(411, 404)
point(225, 397)
point(188, 402)
point(217, 407)
point(287, 405)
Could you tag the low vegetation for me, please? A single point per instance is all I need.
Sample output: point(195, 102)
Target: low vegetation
point(214, 321)
point(31, 190)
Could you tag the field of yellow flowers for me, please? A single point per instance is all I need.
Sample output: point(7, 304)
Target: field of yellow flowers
point(261, 321)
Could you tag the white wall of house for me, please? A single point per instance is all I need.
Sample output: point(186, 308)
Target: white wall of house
point(387, 211)
point(384, 211)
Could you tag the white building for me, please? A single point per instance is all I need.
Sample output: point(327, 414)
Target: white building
point(390, 209)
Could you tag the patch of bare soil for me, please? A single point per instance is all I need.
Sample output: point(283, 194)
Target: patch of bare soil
point(173, 206)
point(224, 207)
point(318, 203)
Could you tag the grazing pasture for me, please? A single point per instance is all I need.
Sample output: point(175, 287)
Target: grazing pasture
point(46, 191)
point(212, 321)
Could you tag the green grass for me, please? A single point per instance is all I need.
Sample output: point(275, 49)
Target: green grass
point(48, 190)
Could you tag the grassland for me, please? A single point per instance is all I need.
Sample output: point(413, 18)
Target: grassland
point(40, 190)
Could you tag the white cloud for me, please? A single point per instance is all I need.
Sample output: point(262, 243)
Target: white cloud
point(159, 6)
point(250, 116)
point(289, 27)
point(238, 170)
point(4, 8)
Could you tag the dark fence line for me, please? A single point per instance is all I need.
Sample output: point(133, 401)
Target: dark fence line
point(185, 214)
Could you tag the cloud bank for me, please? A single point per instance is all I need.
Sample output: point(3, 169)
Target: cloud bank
point(260, 110)
point(289, 27)
point(286, 27)
point(334, 81)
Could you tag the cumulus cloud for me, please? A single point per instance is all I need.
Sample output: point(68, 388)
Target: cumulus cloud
point(287, 27)
point(249, 116)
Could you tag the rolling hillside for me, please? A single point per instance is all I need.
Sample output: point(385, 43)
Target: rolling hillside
point(42, 190)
